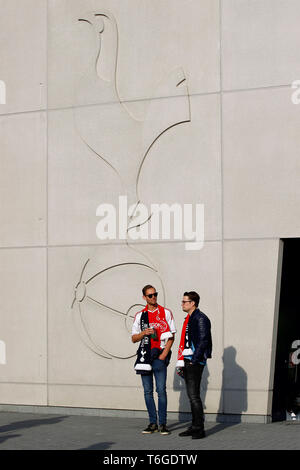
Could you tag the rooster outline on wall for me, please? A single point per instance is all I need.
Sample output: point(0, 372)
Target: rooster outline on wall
point(99, 112)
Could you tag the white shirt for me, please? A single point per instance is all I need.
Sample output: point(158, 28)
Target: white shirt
point(136, 327)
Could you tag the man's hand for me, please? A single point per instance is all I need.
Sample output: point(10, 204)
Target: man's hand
point(162, 356)
point(140, 336)
point(166, 351)
point(148, 331)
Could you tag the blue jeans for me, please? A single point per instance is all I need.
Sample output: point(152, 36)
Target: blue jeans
point(159, 370)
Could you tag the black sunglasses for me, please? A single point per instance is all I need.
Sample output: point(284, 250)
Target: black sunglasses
point(151, 295)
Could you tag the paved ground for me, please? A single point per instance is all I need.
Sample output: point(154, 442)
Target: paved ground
point(20, 431)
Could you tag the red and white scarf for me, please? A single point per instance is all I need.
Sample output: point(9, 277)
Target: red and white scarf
point(156, 320)
point(184, 347)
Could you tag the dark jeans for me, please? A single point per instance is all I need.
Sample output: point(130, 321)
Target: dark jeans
point(192, 377)
point(159, 370)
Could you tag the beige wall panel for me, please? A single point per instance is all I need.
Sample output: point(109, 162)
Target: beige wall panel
point(124, 398)
point(185, 165)
point(250, 300)
point(23, 315)
point(254, 402)
point(23, 394)
point(23, 159)
point(84, 396)
point(79, 181)
point(23, 26)
point(261, 164)
point(260, 43)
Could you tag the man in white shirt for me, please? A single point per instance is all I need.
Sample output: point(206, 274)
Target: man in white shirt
point(154, 328)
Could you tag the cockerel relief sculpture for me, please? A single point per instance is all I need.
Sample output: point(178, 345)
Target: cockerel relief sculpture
point(110, 130)
point(113, 134)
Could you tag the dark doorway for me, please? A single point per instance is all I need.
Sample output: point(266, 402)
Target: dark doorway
point(286, 394)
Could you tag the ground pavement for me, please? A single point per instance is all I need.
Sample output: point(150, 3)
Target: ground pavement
point(28, 431)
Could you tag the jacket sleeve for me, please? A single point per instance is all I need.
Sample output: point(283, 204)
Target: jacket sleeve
point(204, 339)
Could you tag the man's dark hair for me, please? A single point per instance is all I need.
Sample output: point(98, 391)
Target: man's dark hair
point(148, 286)
point(193, 296)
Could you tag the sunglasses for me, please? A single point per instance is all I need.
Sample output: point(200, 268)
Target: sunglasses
point(151, 295)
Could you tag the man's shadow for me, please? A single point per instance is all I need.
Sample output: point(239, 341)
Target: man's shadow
point(234, 396)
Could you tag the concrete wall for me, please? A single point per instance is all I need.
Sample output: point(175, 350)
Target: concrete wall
point(202, 90)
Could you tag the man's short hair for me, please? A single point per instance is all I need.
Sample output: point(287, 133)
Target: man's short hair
point(148, 286)
point(193, 296)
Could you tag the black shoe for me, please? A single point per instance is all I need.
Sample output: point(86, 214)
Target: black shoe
point(164, 430)
point(150, 429)
point(198, 434)
point(187, 432)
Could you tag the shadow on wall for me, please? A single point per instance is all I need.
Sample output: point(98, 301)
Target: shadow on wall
point(234, 387)
point(233, 391)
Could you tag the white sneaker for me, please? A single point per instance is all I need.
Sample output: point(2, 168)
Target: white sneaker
point(293, 416)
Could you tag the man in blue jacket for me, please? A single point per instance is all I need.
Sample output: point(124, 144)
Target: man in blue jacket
point(196, 348)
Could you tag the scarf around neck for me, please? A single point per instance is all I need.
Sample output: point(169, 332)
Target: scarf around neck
point(149, 348)
point(184, 347)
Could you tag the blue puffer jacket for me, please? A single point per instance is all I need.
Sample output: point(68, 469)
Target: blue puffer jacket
point(199, 332)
